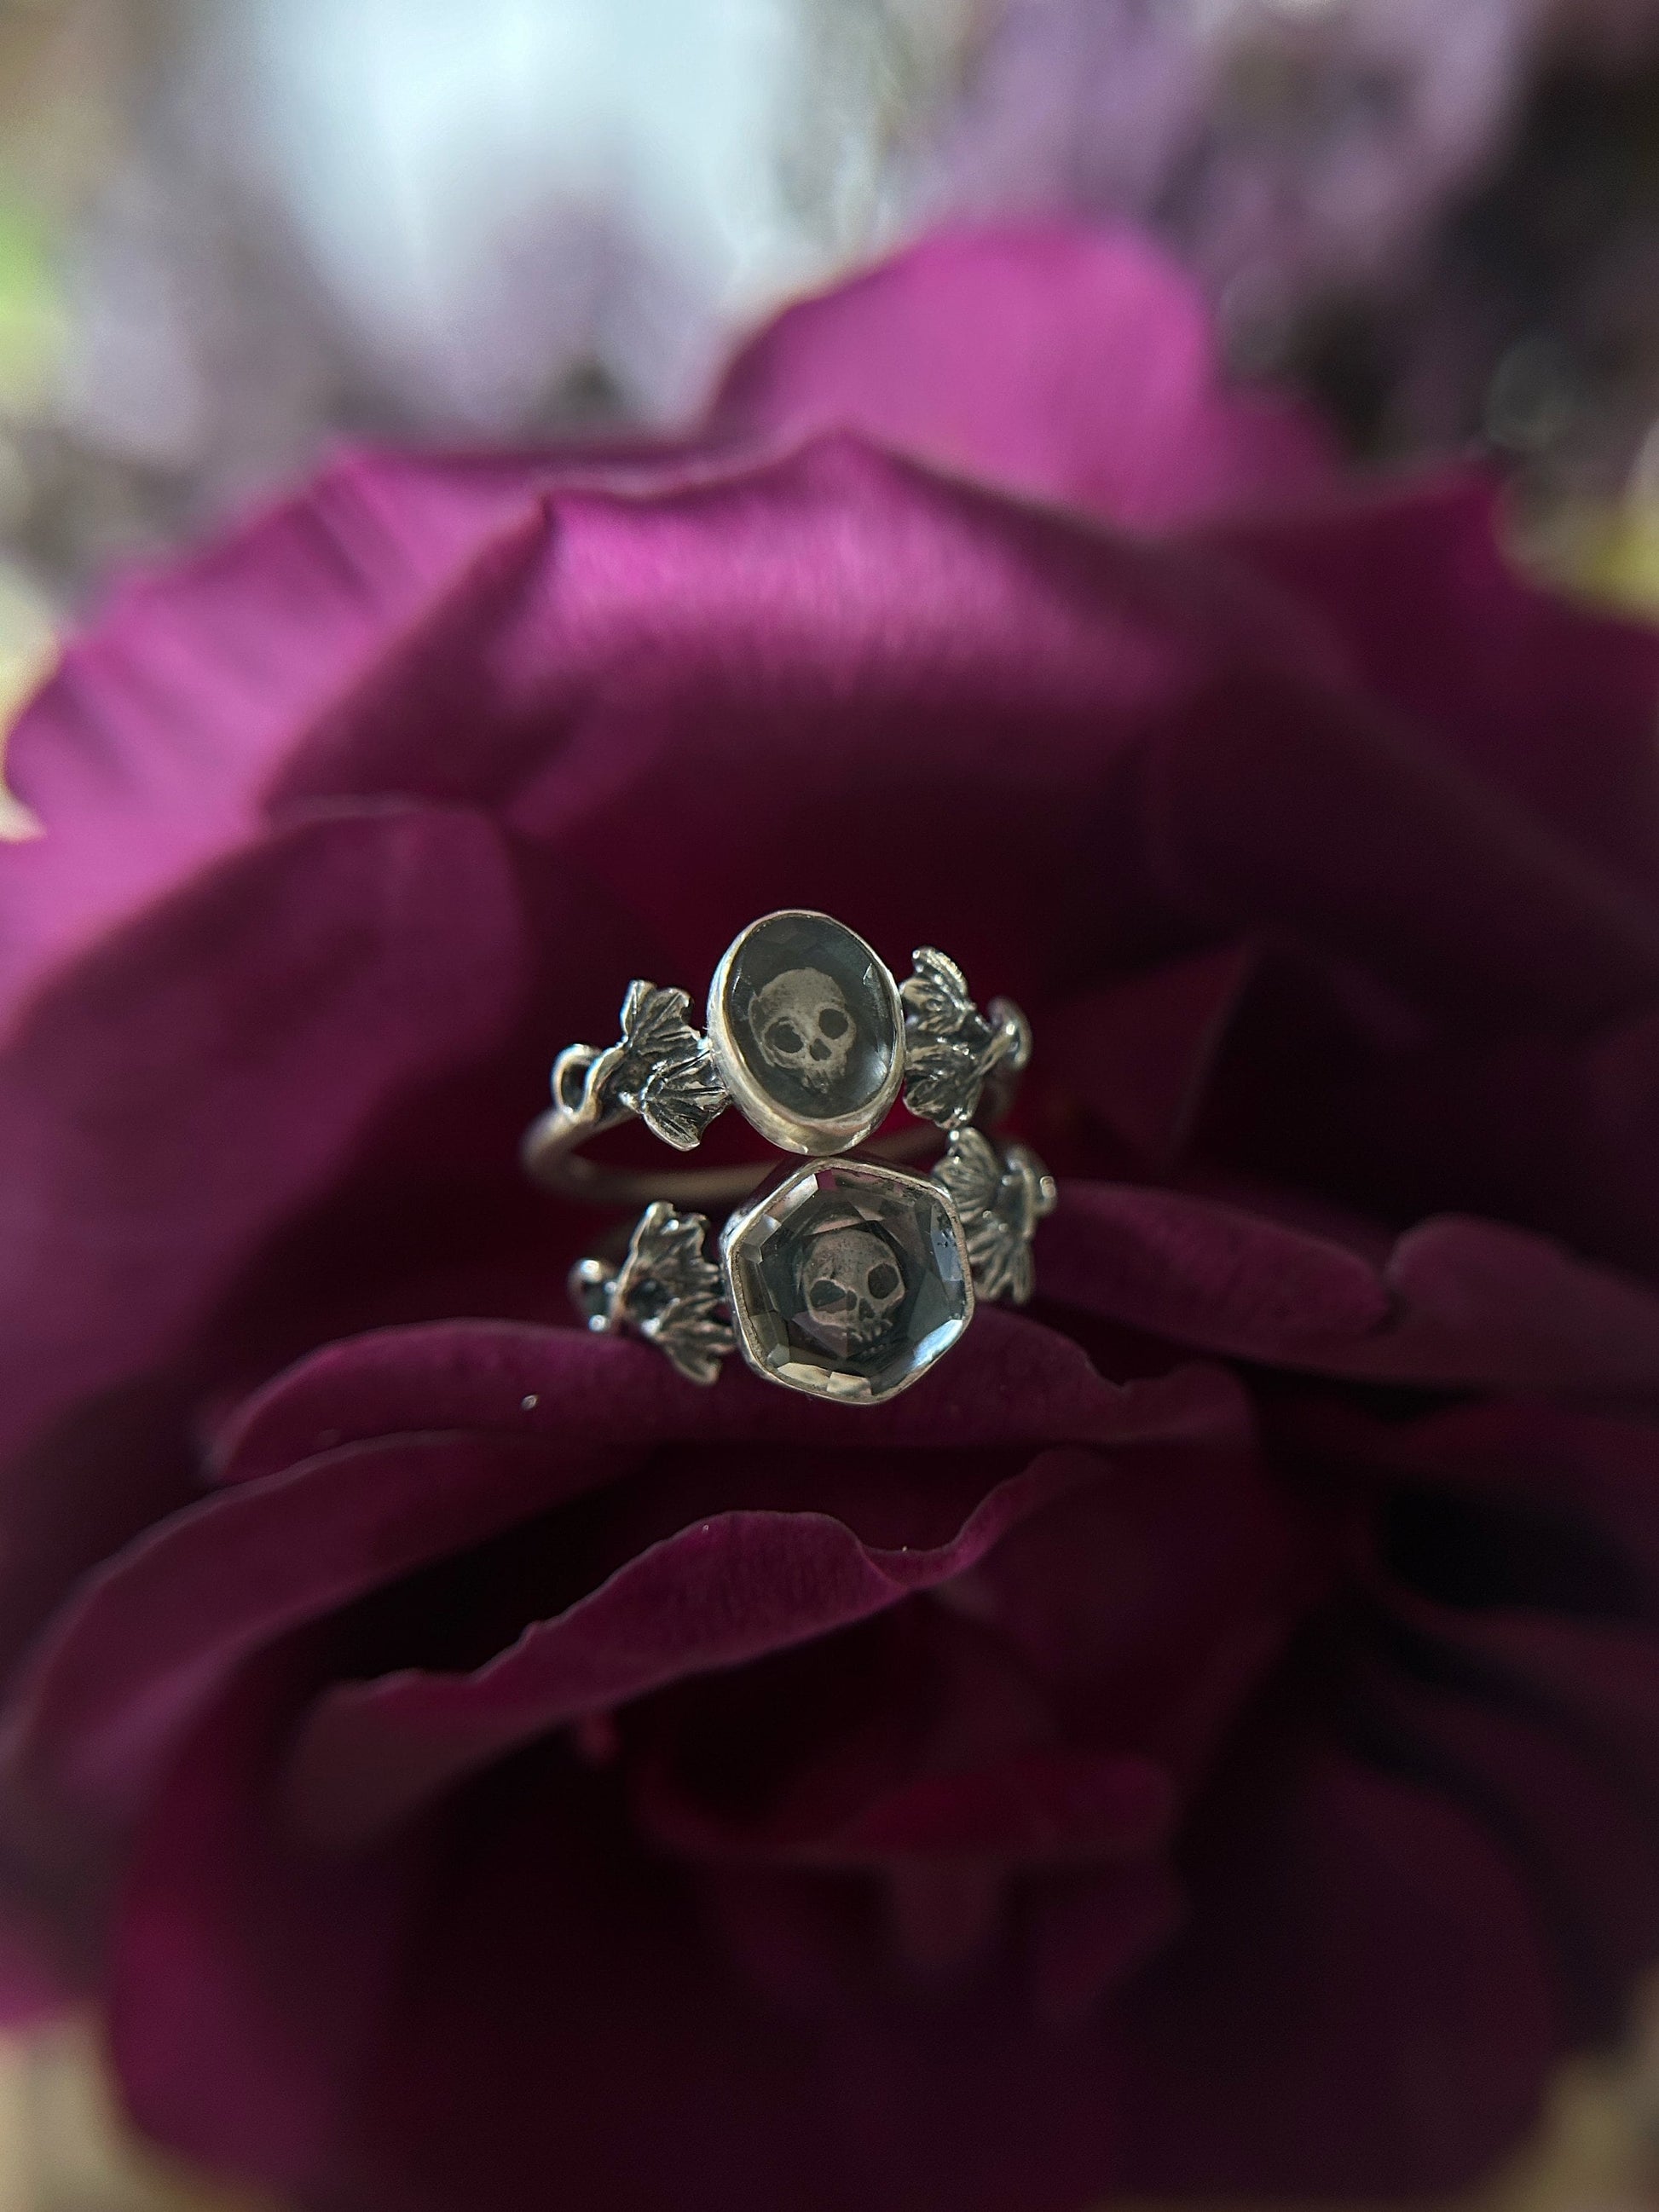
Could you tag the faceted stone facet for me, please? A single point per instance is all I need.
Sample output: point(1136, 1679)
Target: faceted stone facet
point(808, 1031)
point(847, 1279)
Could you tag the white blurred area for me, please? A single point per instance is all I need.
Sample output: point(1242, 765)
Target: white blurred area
point(64, 2147)
point(439, 162)
point(471, 217)
point(233, 232)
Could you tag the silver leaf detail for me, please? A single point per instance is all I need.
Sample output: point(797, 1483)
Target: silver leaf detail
point(663, 1070)
point(1001, 1195)
point(950, 1047)
point(665, 1290)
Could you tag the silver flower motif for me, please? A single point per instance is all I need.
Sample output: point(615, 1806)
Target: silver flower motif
point(665, 1290)
point(663, 1070)
point(950, 1047)
point(1001, 1195)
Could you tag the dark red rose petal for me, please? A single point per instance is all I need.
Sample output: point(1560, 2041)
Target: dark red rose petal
point(730, 1589)
point(1580, 1835)
point(151, 1638)
point(1034, 1788)
point(529, 1943)
point(1015, 1382)
point(1090, 1935)
point(1140, 1051)
point(1361, 2000)
point(1518, 1573)
point(1459, 1303)
point(249, 1989)
point(1331, 820)
point(33, 1983)
point(345, 1507)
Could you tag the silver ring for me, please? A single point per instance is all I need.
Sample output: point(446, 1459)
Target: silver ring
point(847, 1277)
point(808, 1035)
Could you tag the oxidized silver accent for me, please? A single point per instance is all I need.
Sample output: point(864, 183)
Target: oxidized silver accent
point(669, 1293)
point(797, 1002)
point(1001, 1194)
point(663, 1070)
point(665, 1290)
point(951, 1051)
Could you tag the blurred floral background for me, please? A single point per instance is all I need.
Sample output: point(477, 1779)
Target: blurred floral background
point(234, 231)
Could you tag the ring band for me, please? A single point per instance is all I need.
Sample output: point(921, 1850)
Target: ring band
point(808, 1035)
point(844, 1277)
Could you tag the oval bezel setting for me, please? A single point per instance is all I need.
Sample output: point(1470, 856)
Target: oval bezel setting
point(775, 983)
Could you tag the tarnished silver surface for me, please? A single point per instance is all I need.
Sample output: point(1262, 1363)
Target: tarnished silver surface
point(846, 1276)
point(662, 1070)
point(951, 1051)
point(1001, 1194)
point(665, 1290)
point(808, 1036)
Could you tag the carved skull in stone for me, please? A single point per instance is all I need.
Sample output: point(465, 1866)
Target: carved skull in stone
point(802, 1024)
point(851, 1288)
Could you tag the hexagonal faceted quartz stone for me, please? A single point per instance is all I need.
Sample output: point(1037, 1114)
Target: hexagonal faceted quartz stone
point(847, 1279)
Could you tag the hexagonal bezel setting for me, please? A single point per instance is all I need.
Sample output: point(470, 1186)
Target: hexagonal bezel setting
point(809, 1261)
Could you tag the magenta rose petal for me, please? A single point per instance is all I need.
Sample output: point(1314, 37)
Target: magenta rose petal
point(1045, 688)
point(1154, 752)
point(149, 756)
point(1333, 821)
point(1035, 660)
point(211, 1066)
point(1073, 363)
point(1219, 780)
